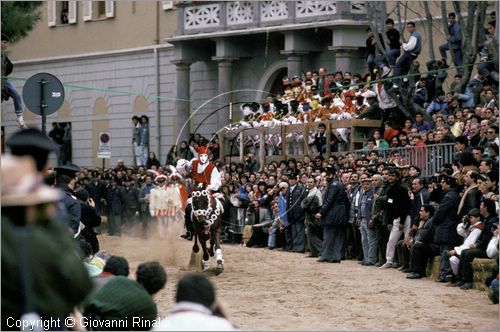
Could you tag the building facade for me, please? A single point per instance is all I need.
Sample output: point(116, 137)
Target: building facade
point(180, 64)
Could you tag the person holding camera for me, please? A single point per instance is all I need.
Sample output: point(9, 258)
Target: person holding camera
point(465, 272)
point(470, 229)
point(251, 165)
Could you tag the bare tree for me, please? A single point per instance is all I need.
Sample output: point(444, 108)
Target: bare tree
point(377, 15)
point(472, 36)
point(428, 26)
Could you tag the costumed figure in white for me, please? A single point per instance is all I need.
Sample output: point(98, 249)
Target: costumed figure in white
point(158, 204)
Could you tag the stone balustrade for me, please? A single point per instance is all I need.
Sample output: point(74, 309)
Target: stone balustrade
point(205, 17)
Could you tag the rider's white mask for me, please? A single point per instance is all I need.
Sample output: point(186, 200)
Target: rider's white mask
point(203, 158)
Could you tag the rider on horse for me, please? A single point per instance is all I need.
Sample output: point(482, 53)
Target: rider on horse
point(204, 172)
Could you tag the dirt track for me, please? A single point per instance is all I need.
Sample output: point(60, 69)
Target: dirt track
point(274, 290)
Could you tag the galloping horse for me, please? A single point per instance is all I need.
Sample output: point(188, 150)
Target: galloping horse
point(206, 214)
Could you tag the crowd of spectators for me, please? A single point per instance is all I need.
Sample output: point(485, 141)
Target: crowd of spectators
point(424, 107)
point(379, 211)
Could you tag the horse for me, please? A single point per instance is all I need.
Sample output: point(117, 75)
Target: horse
point(206, 215)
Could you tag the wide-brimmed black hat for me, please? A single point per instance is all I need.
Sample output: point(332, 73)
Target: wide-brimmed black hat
point(69, 170)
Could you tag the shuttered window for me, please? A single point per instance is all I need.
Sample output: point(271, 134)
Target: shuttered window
point(72, 13)
point(110, 9)
point(87, 10)
point(51, 10)
point(168, 5)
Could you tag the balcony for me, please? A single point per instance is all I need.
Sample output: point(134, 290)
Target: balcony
point(234, 17)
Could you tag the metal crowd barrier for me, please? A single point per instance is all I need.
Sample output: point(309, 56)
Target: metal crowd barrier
point(430, 159)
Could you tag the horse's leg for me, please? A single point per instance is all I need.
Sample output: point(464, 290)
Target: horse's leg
point(195, 245)
point(212, 241)
point(218, 250)
point(204, 263)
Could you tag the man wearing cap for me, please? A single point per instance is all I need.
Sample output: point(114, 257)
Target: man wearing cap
point(368, 234)
point(65, 181)
point(372, 112)
point(35, 144)
point(445, 221)
point(41, 272)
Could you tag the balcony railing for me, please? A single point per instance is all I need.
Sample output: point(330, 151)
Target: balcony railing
point(233, 15)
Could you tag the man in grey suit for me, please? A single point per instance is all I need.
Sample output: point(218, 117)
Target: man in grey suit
point(334, 215)
point(296, 216)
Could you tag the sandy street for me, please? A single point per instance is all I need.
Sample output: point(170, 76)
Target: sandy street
point(274, 290)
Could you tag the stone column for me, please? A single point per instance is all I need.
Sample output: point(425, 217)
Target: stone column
point(294, 65)
point(182, 105)
point(225, 85)
point(343, 60)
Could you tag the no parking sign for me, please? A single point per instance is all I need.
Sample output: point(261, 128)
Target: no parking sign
point(104, 148)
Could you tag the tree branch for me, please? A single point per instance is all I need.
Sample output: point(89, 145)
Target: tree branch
point(428, 24)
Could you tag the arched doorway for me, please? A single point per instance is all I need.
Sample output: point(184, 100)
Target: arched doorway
point(277, 85)
point(270, 82)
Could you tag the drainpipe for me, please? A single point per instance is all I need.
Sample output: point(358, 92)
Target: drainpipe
point(157, 100)
point(156, 55)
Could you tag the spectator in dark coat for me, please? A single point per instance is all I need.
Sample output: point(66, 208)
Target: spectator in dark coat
point(334, 216)
point(423, 248)
point(396, 214)
point(97, 191)
point(471, 197)
point(296, 216)
point(420, 197)
point(115, 202)
point(373, 112)
point(251, 165)
point(131, 205)
point(90, 218)
point(65, 181)
point(445, 222)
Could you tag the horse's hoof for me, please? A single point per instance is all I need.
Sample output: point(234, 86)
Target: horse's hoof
point(220, 265)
